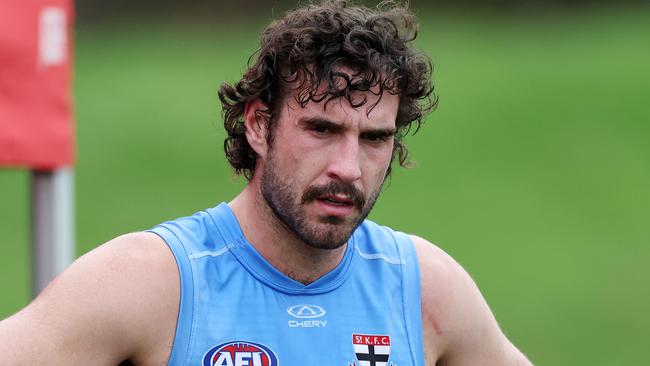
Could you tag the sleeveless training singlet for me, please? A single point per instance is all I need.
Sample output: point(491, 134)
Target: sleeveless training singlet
point(238, 310)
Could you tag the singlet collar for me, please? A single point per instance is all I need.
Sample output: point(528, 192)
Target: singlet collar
point(260, 268)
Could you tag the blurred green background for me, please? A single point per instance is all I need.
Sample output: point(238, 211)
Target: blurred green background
point(534, 172)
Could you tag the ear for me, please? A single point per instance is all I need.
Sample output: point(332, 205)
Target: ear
point(256, 123)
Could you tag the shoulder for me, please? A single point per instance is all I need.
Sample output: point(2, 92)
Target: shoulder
point(458, 325)
point(441, 273)
point(119, 301)
point(129, 287)
point(444, 287)
point(130, 283)
point(135, 262)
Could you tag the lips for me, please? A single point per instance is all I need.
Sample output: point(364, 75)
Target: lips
point(335, 195)
point(336, 200)
point(335, 207)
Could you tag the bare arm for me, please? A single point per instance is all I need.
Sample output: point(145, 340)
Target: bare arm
point(115, 303)
point(458, 326)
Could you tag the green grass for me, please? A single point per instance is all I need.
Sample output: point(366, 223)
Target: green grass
point(533, 172)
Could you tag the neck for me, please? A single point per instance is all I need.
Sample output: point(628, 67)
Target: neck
point(276, 243)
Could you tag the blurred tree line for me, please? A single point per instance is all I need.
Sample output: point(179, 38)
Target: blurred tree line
point(92, 11)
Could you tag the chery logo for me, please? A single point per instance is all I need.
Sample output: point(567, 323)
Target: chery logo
point(306, 315)
point(306, 311)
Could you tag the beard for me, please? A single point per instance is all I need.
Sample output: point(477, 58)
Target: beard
point(288, 206)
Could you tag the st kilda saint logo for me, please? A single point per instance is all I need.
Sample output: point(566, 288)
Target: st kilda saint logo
point(371, 350)
point(240, 353)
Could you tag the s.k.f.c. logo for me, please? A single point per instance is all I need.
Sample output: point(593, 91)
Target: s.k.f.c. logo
point(240, 353)
point(371, 349)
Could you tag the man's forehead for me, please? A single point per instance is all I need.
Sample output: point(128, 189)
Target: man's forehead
point(341, 83)
point(377, 110)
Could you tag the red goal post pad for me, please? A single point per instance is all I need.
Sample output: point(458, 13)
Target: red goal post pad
point(36, 127)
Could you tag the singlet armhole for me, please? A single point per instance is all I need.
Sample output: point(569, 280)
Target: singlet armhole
point(411, 295)
point(185, 319)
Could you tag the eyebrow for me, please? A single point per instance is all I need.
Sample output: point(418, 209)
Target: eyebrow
point(321, 122)
point(334, 126)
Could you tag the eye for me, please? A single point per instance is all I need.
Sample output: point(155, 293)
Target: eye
point(321, 129)
point(377, 138)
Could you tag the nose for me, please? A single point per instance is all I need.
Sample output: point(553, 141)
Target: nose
point(345, 160)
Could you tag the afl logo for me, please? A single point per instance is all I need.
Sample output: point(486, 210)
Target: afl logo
point(306, 311)
point(240, 353)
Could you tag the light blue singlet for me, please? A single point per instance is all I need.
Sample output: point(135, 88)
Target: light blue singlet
point(238, 310)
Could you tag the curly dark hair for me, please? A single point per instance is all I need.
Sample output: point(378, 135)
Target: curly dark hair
point(307, 47)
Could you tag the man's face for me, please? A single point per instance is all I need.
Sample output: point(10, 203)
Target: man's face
point(326, 164)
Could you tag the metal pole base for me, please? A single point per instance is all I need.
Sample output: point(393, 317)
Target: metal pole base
point(52, 225)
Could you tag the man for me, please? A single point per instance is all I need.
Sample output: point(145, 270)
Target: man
point(289, 272)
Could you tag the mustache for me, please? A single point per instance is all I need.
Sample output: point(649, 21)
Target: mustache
point(335, 188)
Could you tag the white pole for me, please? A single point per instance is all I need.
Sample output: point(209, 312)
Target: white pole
point(52, 225)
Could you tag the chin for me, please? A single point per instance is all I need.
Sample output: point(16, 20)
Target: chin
point(328, 235)
point(326, 245)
